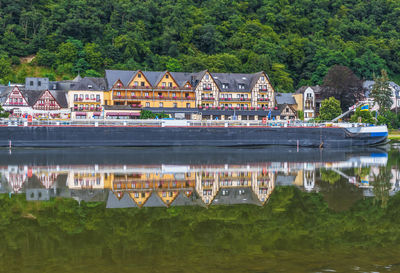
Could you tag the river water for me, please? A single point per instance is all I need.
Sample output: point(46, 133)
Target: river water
point(273, 209)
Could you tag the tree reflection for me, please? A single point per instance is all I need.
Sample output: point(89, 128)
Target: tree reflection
point(382, 185)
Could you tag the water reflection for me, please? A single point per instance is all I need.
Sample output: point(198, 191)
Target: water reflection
point(233, 177)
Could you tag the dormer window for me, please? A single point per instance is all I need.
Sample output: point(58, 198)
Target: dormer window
point(225, 85)
point(90, 86)
point(241, 86)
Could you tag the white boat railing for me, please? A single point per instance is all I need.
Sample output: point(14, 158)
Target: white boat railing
point(174, 123)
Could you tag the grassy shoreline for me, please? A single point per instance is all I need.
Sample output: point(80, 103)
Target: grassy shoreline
point(394, 134)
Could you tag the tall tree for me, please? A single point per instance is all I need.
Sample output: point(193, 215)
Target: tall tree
point(340, 82)
point(381, 92)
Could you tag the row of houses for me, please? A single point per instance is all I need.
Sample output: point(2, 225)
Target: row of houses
point(124, 94)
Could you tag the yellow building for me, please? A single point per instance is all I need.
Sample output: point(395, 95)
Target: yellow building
point(87, 97)
point(203, 90)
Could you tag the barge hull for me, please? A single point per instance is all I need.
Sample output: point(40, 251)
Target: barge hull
point(138, 136)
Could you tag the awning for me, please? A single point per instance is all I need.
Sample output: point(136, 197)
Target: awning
point(80, 114)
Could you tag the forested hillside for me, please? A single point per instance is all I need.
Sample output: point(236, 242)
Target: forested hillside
point(294, 41)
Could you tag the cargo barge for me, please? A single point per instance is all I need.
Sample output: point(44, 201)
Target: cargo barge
point(158, 133)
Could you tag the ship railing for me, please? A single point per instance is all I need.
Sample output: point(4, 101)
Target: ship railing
point(170, 123)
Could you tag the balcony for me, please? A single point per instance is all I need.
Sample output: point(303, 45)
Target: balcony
point(235, 99)
point(86, 100)
point(150, 98)
point(207, 98)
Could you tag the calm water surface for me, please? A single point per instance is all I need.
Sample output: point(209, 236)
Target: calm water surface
point(201, 209)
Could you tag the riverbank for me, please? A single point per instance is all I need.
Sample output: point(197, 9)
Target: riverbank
point(394, 134)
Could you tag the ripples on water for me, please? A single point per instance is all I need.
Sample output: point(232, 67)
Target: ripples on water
point(199, 209)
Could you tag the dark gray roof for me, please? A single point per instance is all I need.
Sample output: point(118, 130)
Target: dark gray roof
point(97, 84)
point(183, 200)
point(89, 195)
point(125, 202)
point(285, 98)
point(31, 95)
point(154, 201)
point(62, 85)
point(61, 98)
point(233, 80)
point(113, 75)
point(233, 196)
point(153, 76)
point(182, 77)
point(367, 85)
point(3, 88)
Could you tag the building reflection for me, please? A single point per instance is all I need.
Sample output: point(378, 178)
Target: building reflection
point(122, 186)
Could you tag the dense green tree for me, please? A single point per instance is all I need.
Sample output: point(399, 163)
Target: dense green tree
point(340, 82)
point(381, 92)
point(5, 70)
point(330, 109)
point(362, 116)
point(296, 42)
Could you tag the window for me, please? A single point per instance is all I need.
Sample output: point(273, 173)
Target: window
point(75, 97)
point(238, 96)
point(39, 83)
point(161, 104)
point(146, 94)
point(97, 97)
point(164, 84)
point(31, 83)
point(241, 86)
point(147, 104)
point(170, 84)
point(141, 83)
point(139, 75)
point(186, 95)
point(90, 86)
point(91, 96)
point(187, 105)
point(225, 85)
point(175, 105)
point(262, 78)
point(207, 77)
point(87, 96)
point(287, 110)
point(174, 94)
point(166, 76)
point(136, 83)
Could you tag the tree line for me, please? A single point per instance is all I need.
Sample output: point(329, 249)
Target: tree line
point(295, 42)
